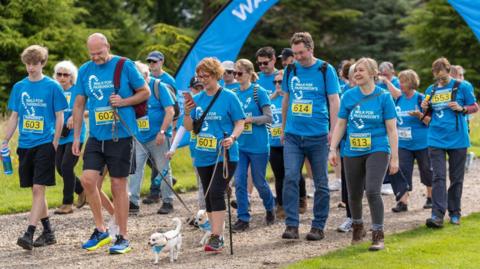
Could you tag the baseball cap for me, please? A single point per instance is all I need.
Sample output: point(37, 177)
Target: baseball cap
point(286, 52)
point(155, 56)
point(228, 65)
point(195, 82)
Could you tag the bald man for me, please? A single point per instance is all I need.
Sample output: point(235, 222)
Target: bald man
point(110, 143)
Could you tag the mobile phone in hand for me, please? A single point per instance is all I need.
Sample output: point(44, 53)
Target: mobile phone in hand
point(188, 97)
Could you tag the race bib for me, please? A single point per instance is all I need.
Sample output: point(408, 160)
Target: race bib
point(206, 143)
point(193, 136)
point(103, 115)
point(302, 108)
point(404, 133)
point(276, 131)
point(247, 128)
point(33, 124)
point(442, 97)
point(143, 124)
point(360, 141)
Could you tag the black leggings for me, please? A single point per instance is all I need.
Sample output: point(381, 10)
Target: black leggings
point(65, 162)
point(278, 168)
point(344, 189)
point(215, 199)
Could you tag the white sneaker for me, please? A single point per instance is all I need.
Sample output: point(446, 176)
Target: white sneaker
point(346, 226)
point(387, 189)
point(336, 185)
point(113, 229)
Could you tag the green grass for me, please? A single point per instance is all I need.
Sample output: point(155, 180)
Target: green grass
point(422, 248)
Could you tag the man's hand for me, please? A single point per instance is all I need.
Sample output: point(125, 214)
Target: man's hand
point(70, 123)
point(116, 100)
point(160, 139)
point(76, 147)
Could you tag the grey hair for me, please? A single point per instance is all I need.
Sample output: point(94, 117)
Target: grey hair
point(70, 67)
point(384, 66)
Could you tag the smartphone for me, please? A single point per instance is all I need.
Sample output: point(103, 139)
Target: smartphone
point(188, 97)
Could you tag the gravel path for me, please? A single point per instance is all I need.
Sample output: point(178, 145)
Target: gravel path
point(260, 247)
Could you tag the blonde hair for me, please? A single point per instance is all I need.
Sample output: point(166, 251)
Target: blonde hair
point(35, 54)
point(302, 37)
point(70, 67)
point(142, 68)
point(411, 77)
point(370, 64)
point(248, 67)
point(212, 66)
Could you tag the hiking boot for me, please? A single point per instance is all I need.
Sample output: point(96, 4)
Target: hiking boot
point(455, 220)
point(428, 203)
point(64, 209)
point(358, 233)
point(400, 207)
point(290, 233)
point(97, 240)
point(45, 239)
point(346, 226)
point(121, 246)
point(151, 199)
point(26, 241)
point(166, 208)
point(81, 200)
point(377, 241)
point(240, 226)
point(315, 234)
point(434, 222)
point(270, 218)
point(133, 208)
point(302, 208)
point(280, 212)
point(214, 244)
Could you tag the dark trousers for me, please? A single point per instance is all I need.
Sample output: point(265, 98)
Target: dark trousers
point(65, 162)
point(345, 190)
point(441, 198)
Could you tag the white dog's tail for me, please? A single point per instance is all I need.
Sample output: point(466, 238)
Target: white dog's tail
point(178, 224)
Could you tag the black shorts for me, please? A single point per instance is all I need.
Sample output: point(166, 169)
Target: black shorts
point(37, 165)
point(117, 156)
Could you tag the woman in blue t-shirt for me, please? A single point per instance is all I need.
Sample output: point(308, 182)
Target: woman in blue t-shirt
point(412, 130)
point(253, 144)
point(368, 120)
point(217, 132)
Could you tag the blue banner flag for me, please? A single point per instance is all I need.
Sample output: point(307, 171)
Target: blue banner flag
point(470, 11)
point(222, 37)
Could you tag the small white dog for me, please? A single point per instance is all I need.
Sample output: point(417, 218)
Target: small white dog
point(201, 219)
point(168, 241)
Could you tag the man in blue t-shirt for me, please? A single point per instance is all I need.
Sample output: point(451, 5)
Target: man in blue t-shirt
point(309, 112)
point(112, 123)
point(37, 103)
point(266, 63)
point(228, 78)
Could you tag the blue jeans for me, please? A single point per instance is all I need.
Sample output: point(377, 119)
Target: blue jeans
point(295, 150)
point(157, 152)
point(258, 163)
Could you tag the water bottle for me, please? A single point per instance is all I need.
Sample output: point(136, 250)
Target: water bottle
point(6, 160)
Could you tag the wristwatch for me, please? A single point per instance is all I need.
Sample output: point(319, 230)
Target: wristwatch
point(233, 137)
point(162, 131)
point(464, 110)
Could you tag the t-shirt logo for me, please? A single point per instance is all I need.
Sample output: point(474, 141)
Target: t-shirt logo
point(276, 114)
point(439, 114)
point(199, 113)
point(247, 103)
point(93, 86)
point(293, 83)
point(359, 124)
point(25, 99)
point(399, 115)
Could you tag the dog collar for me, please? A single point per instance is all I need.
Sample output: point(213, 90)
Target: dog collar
point(157, 249)
point(206, 226)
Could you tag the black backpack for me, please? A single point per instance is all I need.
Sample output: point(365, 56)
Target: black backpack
point(173, 93)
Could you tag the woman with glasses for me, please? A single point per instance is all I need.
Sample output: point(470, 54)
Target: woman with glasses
point(65, 161)
point(219, 129)
point(253, 145)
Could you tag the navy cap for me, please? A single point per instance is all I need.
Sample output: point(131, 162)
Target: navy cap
point(286, 52)
point(195, 82)
point(155, 56)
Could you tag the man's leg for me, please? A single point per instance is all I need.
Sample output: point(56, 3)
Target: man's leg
point(456, 169)
point(89, 182)
point(293, 160)
point(120, 203)
point(39, 205)
point(135, 180)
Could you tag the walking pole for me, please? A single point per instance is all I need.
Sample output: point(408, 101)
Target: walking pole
point(225, 164)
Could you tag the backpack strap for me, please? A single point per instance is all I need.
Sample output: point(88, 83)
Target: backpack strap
point(156, 91)
point(453, 98)
point(118, 73)
point(255, 97)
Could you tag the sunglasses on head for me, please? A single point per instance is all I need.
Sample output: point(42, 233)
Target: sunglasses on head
point(229, 72)
point(275, 82)
point(237, 74)
point(152, 61)
point(265, 63)
point(62, 74)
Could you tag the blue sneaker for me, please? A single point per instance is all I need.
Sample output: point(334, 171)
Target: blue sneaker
point(97, 240)
point(121, 246)
point(455, 220)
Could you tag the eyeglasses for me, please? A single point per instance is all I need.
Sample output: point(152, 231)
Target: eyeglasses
point(62, 74)
point(204, 76)
point(275, 82)
point(265, 63)
point(229, 72)
point(152, 61)
point(237, 74)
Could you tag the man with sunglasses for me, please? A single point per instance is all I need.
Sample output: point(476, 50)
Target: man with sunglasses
point(228, 79)
point(309, 113)
point(266, 63)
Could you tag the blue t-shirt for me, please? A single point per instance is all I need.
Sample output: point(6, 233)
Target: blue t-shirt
point(149, 126)
point(276, 129)
point(36, 103)
point(307, 113)
point(95, 82)
point(395, 81)
point(442, 132)
point(412, 133)
point(70, 95)
point(230, 86)
point(254, 138)
point(219, 120)
point(266, 81)
point(366, 129)
point(166, 78)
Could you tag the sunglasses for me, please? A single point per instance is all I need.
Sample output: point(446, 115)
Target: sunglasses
point(275, 82)
point(229, 72)
point(152, 61)
point(265, 63)
point(237, 74)
point(66, 75)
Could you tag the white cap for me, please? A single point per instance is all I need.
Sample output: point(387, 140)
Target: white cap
point(228, 65)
